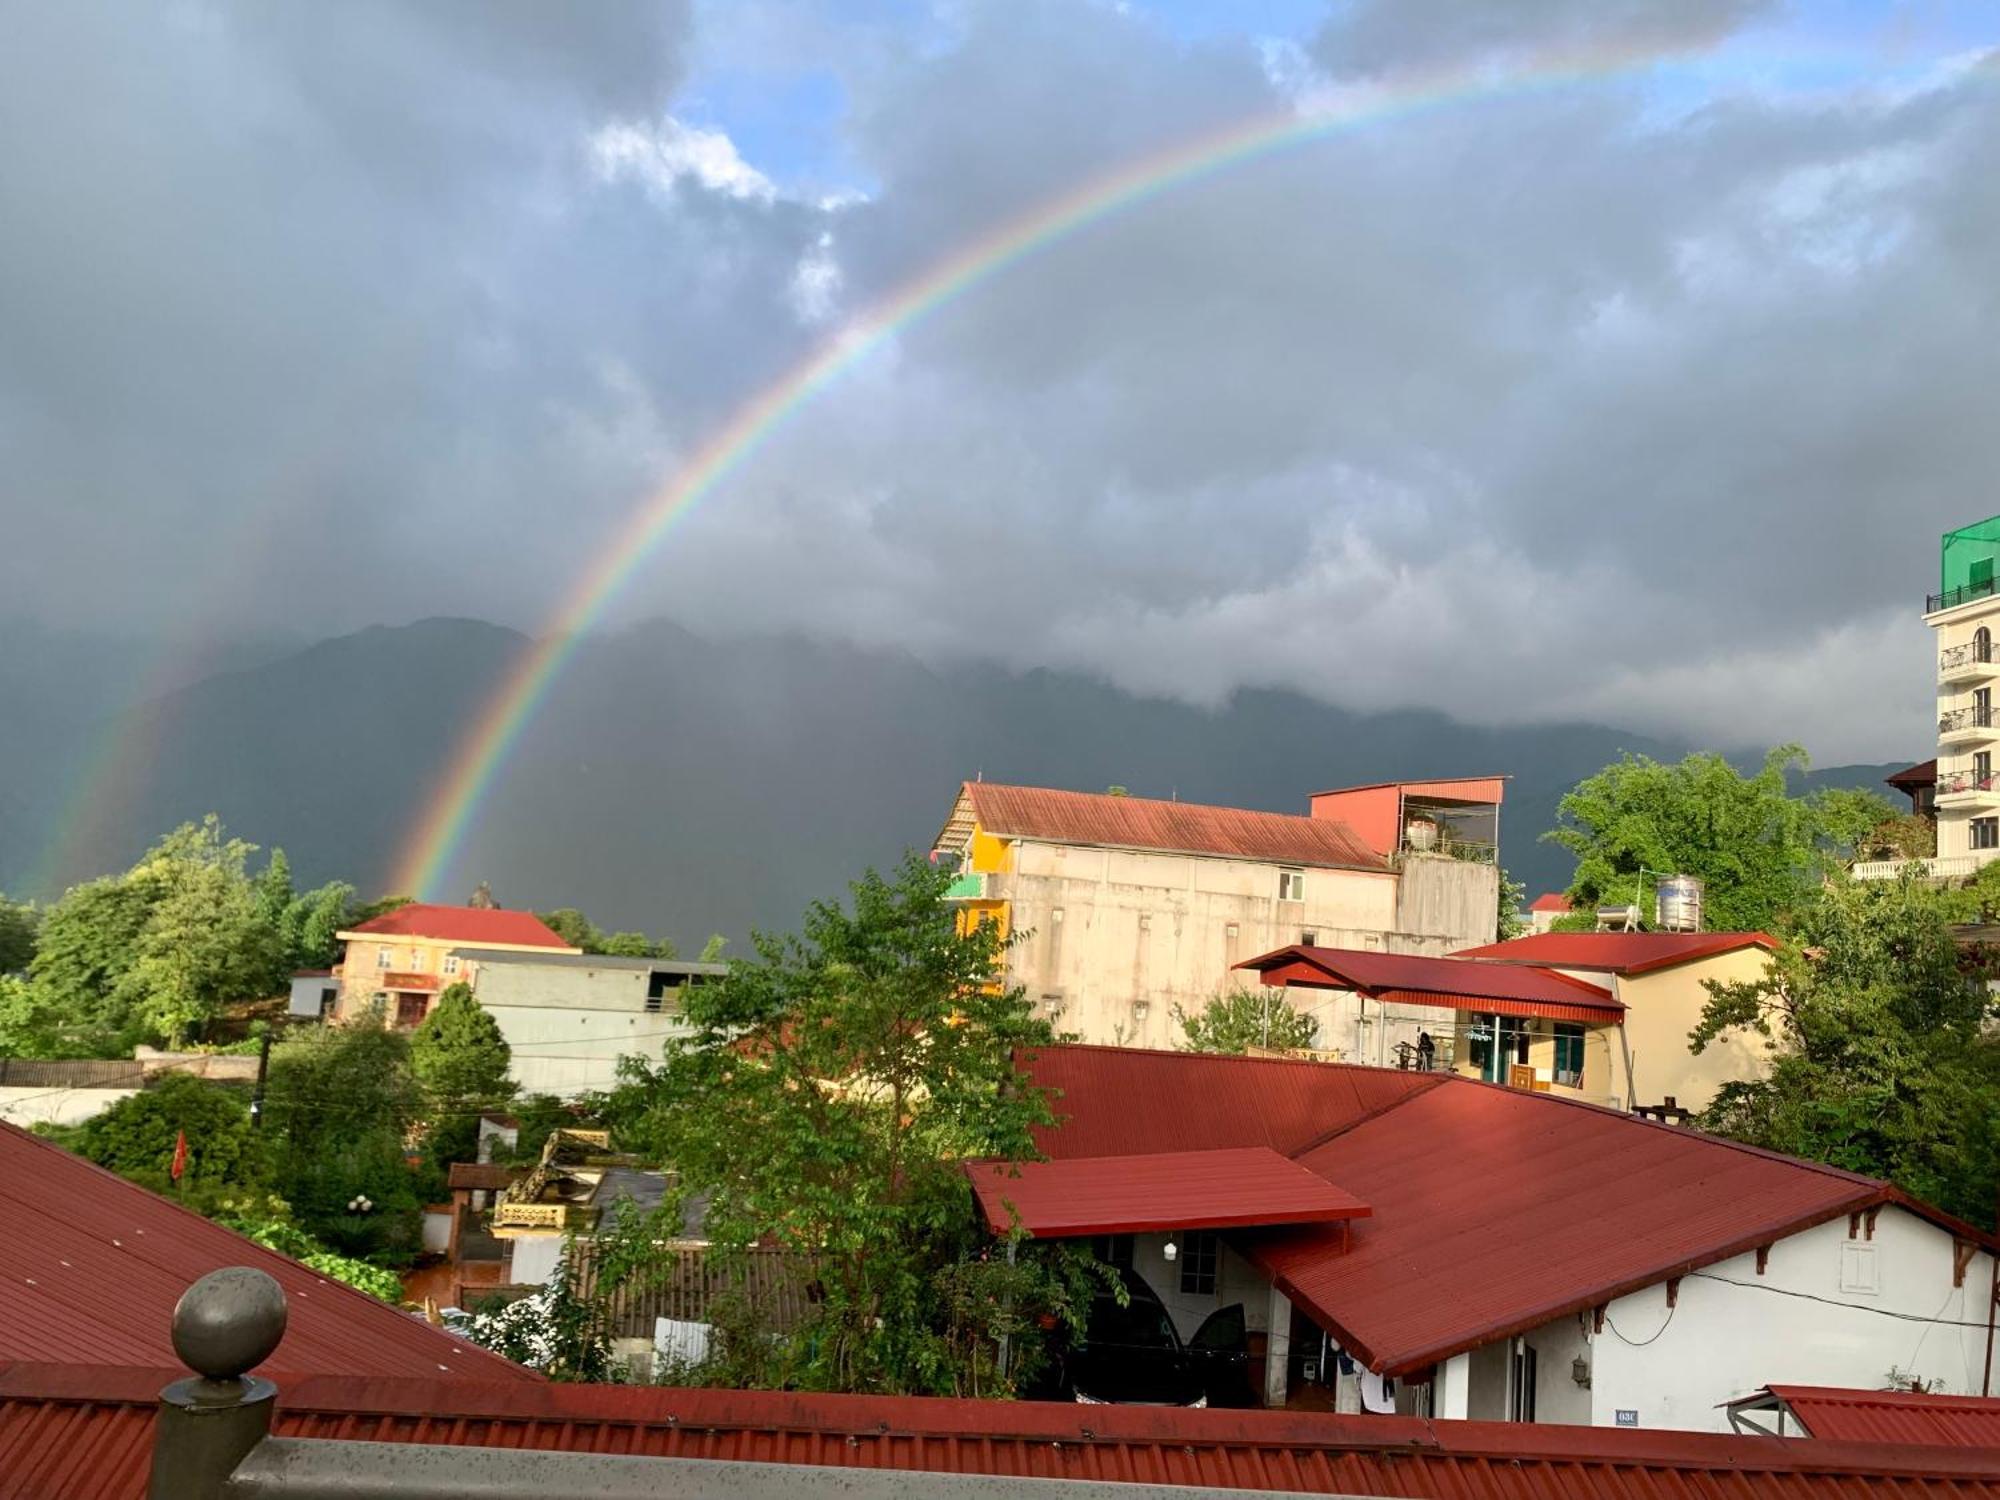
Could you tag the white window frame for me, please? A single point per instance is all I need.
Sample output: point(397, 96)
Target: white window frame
point(384, 960)
point(451, 964)
point(1291, 885)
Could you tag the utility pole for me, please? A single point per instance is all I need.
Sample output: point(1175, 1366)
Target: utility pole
point(263, 1071)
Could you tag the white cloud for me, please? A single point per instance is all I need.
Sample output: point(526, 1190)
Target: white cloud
point(666, 154)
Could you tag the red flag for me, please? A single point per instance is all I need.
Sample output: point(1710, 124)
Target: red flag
point(180, 1154)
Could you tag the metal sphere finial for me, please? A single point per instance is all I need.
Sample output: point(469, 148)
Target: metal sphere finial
point(227, 1323)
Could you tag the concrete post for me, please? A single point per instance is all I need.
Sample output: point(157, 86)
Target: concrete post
point(1451, 1390)
point(1278, 1349)
point(224, 1325)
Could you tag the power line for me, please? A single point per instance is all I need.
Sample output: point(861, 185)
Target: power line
point(1880, 1312)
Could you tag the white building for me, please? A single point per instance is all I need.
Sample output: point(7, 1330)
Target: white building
point(1502, 1254)
point(569, 1018)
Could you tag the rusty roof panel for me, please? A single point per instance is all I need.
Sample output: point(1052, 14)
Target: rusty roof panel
point(1172, 827)
point(92, 1265)
point(1125, 1101)
point(1893, 1416)
point(82, 1433)
point(1232, 1188)
point(1447, 978)
point(1617, 952)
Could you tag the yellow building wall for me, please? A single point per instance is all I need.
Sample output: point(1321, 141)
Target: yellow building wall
point(1661, 1008)
point(1603, 1070)
point(990, 855)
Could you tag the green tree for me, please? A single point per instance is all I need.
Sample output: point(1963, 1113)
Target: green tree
point(1509, 923)
point(88, 943)
point(313, 919)
point(342, 1105)
point(18, 921)
point(206, 940)
point(28, 1026)
point(460, 1060)
point(1240, 1020)
point(576, 929)
point(136, 1137)
point(1755, 847)
point(1879, 1059)
point(823, 1102)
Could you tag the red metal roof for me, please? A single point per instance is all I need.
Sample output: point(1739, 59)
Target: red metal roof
point(1123, 1101)
point(1617, 952)
point(488, 926)
point(1179, 827)
point(91, 1266)
point(1463, 984)
point(1441, 789)
point(1472, 1187)
point(1228, 1189)
point(1922, 774)
point(1583, 1013)
point(1549, 901)
point(1893, 1416)
point(1478, 1188)
point(77, 1433)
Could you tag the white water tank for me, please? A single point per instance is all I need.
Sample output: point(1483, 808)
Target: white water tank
point(1680, 904)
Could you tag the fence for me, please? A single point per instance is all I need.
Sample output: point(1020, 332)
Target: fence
point(776, 1286)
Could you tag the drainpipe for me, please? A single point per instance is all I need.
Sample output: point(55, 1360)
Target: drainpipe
point(1986, 1385)
point(1625, 1046)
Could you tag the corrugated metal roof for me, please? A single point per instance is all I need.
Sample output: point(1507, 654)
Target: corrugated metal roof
point(1893, 1416)
point(1174, 827)
point(1473, 1187)
point(1477, 1187)
point(606, 961)
point(1411, 974)
point(91, 1266)
point(1617, 952)
point(1227, 1189)
point(1586, 1014)
point(87, 1435)
point(1124, 1101)
point(71, 1073)
point(466, 924)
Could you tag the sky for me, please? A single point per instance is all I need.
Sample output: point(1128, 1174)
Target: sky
point(1640, 397)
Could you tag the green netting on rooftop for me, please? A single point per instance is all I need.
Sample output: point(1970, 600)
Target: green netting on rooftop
point(1969, 559)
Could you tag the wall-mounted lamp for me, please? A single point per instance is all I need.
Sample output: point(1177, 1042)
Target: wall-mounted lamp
point(1170, 1250)
point(1579, 1371)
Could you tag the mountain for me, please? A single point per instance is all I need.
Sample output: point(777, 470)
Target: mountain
point(685, 786)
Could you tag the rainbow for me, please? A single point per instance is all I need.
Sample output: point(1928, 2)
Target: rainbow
point(483, 750)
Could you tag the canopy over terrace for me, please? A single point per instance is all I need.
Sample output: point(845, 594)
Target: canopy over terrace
point(1163, 1192)
point(1454, 983)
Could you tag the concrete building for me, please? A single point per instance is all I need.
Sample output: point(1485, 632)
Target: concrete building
point(1495, 1253)
point(1964, 615)
point(1658, 985)
point(398, 962)
point(569, 1017)
point(1129, 906)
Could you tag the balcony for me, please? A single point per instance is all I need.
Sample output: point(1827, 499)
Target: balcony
point(1964, 789)
point(1938, 867)
point(968, 887)
point(1965, 726)
point(1968, 663)
point(1979, 588)
point(553, 1216)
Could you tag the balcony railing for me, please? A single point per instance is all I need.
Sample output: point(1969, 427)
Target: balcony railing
point(1965, 593)
point(1970, 654)
point(1937, 867)
point(1965, 781)
point(1965, 718)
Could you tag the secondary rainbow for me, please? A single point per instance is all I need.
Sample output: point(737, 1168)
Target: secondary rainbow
point(479, 756)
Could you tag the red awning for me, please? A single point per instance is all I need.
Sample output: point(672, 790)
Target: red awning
point(1554, 1010)
point(426, 983)
point(1228, 1189)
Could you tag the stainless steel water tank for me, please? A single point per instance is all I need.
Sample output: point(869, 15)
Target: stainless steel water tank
point(1680, 904)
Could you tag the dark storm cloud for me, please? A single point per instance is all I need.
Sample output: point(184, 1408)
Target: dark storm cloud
point(1620, 399)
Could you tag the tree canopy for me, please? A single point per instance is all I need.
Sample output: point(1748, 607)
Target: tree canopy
point(1880, 1062)
point(136, 1137)
point(1757, 848)
point(823, 1103)
point(1243, 1019)
point(18, 922)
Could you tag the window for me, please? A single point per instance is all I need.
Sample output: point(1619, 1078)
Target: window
point(1200, 1252)
point(409, 1010)
point(1985, 833)
point(1308, 940)
point(1230, 930)
point(419, 961)
point(328, 999)
point(1569, 1055)
point(1479, 1043)
point(1982, 706)
point(451, 963)
point(1113, 1250)
point(1982, 768)
point(1291, 885)
point(1056, 917)
point(383, 958)
point(1982, 644)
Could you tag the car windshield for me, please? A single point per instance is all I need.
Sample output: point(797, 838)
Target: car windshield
point(1138, 1324)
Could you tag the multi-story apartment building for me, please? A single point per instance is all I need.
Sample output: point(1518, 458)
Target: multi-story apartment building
point(1127, 907)
point(1965, 615)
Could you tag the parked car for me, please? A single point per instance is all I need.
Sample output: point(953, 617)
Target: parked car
point(1133, 1355)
